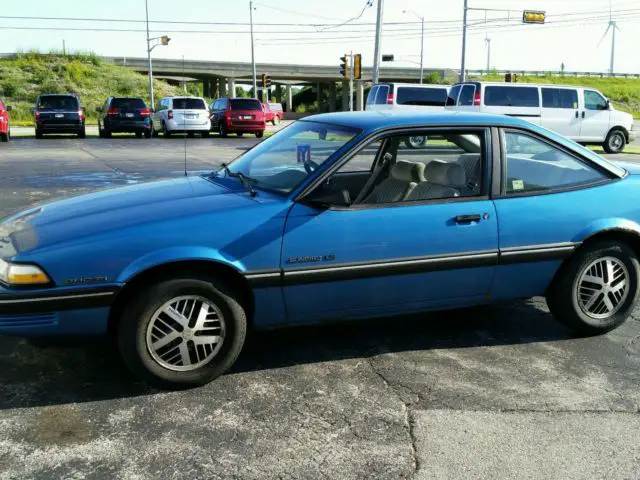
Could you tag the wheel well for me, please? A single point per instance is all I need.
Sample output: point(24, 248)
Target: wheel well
point(233, 279)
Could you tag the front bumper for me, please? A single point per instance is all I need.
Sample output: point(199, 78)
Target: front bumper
point(56, 311)
point(632, 136)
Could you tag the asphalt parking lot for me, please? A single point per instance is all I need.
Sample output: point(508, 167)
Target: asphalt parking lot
point(484, 393)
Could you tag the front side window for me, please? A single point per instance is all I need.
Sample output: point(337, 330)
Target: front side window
point(466, 95)
point(594, 101)
point(499, 96)
point(286, 159)
point(391, 170)
point(425, 96)
point(559, 98)
point(536, 166)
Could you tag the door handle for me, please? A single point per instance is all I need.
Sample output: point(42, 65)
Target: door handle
point(576, 114)
point(583, 114)
point(468, 218)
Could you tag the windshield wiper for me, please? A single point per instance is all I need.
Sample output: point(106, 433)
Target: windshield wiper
point(246, 181)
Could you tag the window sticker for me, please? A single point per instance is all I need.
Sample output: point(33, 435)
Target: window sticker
point(517, 185)
point(304, 152)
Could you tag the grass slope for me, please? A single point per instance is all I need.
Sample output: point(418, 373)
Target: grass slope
point(23, 78)
point(623, 92)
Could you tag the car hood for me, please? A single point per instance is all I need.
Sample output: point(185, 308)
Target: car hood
point(86, 215)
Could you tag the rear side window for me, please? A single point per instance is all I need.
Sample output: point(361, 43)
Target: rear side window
point(276, 107)
point(371, 98)
point(58, 102)
point(498, 96)
point(434, 97)
point(245, 104)
point(466, 95)
point(128, 103)
point(381, 96)
point(559, 98)
point(453, 95)
point(189, 104)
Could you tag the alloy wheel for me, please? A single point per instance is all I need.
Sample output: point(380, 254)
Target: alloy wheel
point(603, 287)
point(616, 141)
point(185, 333)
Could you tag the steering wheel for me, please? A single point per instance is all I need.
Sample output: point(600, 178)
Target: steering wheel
point(310, 166)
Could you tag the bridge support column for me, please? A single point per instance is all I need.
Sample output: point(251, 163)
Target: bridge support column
point(359, 95)
point(332, 96)
point(319, 96)
point(222, 87)
point(345, 96)
point(279, 93)
point(289, 99)
point(231, 86)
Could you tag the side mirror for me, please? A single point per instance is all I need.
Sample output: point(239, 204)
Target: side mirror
point(9, 108)
point(321, 198)
point(608, 105)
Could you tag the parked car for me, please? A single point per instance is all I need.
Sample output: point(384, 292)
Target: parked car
point(59, 113)
point(124, 115)
point(273, 113)
point(408, 96)
point(5, 127)
point(330, 218)
point(237, 115)
point(579, 113)
point(181, 115)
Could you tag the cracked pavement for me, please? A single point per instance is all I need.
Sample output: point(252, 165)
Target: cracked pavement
point(500, 392)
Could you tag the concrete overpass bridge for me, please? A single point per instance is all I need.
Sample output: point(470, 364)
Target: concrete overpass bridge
point(218, 78)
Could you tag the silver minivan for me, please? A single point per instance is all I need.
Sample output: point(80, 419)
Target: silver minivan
point(580, 113)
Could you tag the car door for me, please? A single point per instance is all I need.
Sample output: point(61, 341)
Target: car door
point(546, 202)
point(560, 111)
point(595, 116)
point(389, 254)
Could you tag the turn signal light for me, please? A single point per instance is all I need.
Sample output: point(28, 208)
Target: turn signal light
point(16, 274)
point(145, 112)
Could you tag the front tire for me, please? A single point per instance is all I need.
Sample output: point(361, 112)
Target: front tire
point(182, 333)
point(615, 142)
point(597, 290)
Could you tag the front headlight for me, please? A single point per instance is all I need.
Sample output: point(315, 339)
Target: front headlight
point(18, 275)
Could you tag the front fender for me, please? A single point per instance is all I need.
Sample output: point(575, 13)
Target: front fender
point(607, 225)
point(177, 254)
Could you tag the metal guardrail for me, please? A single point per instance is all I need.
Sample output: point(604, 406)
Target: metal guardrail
point(552, 73)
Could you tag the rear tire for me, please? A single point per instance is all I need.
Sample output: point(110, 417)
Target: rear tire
point(147, 133)
point(615, 141)
point(222, 130)
point(598, 277)
point(82, 133)
point(4, 137)
point(191, 134)
point(138, 134)
point(239, 134)
point(38, 134)
point(276, 120)
point(138, 332)
point(259, 134)
point(204, 134)
point(165, 131)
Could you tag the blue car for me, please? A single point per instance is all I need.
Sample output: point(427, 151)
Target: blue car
point(333, 218)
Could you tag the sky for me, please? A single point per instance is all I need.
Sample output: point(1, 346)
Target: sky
point(572, 36)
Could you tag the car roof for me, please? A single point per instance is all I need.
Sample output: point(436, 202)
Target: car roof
point(370, 120)
point(512, 84)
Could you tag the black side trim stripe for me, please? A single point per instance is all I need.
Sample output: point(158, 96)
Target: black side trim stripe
point(522, 115)
point(39, 302)
point(352, 271)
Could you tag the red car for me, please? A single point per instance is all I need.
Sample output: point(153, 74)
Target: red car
point(237, 115)
point(5, 133)
point(273, 112)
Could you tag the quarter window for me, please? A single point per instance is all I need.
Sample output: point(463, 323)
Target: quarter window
point(536, 166)
point(559, 98)
point(594, 101)
point(381, 96)
point(466, 96)
point(495, 96)
point(371, 98)
point(453, 96)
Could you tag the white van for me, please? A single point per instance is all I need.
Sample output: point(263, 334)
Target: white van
point(408, 96)
point(579, 113)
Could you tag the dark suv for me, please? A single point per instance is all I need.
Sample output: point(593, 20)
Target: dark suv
point(124, 115)
point(59, 113)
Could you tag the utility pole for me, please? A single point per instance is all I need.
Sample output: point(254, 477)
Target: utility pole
point(376, 53)
point(64, 47)
point(422, 51)
point(253, 58)
point(351, 81)
point(488, 42)
point(146, 4)
point(613, 46)
point(464, 43)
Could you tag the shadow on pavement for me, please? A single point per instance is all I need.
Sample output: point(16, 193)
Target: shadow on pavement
point(32, 376)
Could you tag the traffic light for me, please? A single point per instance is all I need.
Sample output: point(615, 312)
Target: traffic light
point(344, 66)
point(357, 66)
point(263, 80)
point(267, 81)
point(533, 16)
point(511, 77)
point(164, 40)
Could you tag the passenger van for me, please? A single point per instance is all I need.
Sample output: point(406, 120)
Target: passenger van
point(400, 96)
point(579, 113)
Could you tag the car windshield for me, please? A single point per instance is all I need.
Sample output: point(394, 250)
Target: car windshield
point(189, 104)
point(285, 160)
point(245, 104)
point(128, 103)
point(58, 102)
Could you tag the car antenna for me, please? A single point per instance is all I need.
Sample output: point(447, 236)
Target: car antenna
point(184, 123)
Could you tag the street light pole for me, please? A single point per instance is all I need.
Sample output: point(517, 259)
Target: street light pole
point(253, 58)
point(376, 53)
point(146, 4)
point(464, 43)
point(422, 51)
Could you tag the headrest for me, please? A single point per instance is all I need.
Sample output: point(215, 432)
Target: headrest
point(445, 173)
point(407, 171)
